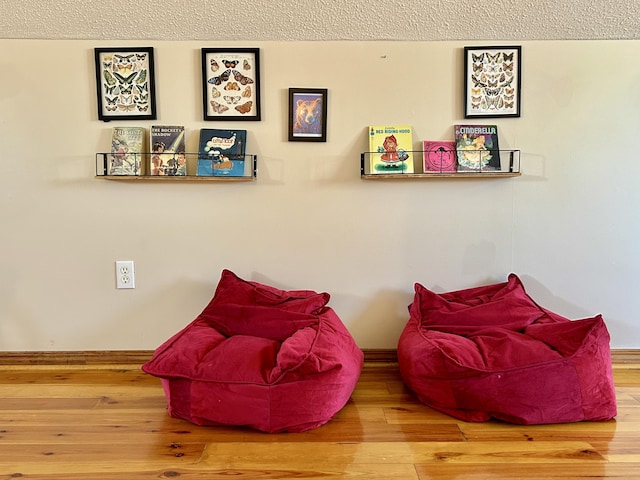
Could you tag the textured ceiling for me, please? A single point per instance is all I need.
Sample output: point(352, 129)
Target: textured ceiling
point(298, 20)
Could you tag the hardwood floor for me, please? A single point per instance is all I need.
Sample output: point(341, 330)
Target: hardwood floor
point(105, 422)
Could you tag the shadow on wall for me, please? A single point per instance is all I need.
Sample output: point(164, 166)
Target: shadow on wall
point(378, 322)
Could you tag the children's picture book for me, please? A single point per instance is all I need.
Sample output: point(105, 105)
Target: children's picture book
point(221, 152)
point(439, 156)
point(477, 148)
point(168, 155)
point(126, 151)
point(391, 149)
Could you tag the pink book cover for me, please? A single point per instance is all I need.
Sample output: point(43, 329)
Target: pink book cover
point(439, 156)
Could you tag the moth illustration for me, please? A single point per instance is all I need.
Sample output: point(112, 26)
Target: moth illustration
point(241, 78)
point(218, 107)
point(245, 107)
point(232, 99)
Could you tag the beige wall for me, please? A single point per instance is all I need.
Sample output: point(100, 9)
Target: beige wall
point(567, 226)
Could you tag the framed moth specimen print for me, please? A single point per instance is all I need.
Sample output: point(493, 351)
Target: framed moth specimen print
point(231, 83)
point(492, 82)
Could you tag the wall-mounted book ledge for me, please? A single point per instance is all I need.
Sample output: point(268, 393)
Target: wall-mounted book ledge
point(440, 163)
point(175, 167)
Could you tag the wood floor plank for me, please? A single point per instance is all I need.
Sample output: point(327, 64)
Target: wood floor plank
point(287, 453)
point(541, 471)
point(76, 458)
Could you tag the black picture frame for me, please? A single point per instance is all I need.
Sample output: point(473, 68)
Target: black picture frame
point(492, 81)
point(125, 83)
point(308, 114)
point(231, 84)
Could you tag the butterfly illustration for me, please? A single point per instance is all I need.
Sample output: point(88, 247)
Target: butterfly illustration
point(111, 103)
point(492, 103)
point(247, 92)
point(246, 65)
point(110, 90)
point(493, 58)
point(126, 89)
point(141, 56)
point(142, 106)
point(230, 63)
point(232, 86)
point(124, 63)
point(507, 66)
point(214, 65)
point(508, 104)
point(108, 78)
point(127, 108)
point(508, 58)
point(245, 107)
point(142, 78)
point(215, 93)
point(128, 79)
point(241, 78)
point(477, 67)
point(232, 99)
point(106, 64)
point(492, 92)
point(218, 107)
point(477, 58)
point(142, 88)
point(478, 82)
point(220, 78)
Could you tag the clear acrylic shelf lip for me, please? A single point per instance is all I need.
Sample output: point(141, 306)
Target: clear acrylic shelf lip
point(509, 160)
point(103, 160)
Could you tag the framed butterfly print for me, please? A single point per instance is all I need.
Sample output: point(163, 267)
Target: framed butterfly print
point(125, 82)
point(492, 81)
point(231, 83)
point(308, 114)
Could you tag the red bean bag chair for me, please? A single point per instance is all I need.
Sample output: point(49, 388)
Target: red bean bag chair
point(259, 356)
point(492, 352)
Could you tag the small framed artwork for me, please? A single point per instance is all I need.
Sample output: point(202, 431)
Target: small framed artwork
point(308, 114)
point(492, 81)
point(125, 82)
point(231, 83)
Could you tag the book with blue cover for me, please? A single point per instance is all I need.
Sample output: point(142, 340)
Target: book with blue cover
point(221, 153)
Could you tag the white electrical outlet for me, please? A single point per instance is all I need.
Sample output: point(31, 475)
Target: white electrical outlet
point(125, 275)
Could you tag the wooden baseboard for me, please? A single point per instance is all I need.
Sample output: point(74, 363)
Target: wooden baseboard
point(138, 357)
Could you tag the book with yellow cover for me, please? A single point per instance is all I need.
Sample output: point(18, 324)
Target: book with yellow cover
point(390, 149)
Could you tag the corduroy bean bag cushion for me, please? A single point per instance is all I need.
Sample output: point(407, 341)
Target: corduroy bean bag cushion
point(259, 356)
point(492, 352)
